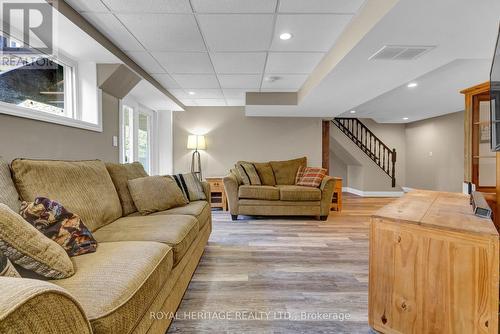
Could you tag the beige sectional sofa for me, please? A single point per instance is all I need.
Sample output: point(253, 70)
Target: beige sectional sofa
point(278, 195)
point(143, 264)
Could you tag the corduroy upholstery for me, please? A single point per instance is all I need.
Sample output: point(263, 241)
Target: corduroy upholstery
point(286, 171)
point(199, 209)
point(121, 174)
point(284, 199)
point(83, 187)
point(8, 192)
point(116, 285)
point(259, 192)
point(34, 306)
point(9, 270)
point(25, 246)
point(119, 285)
point(174, 230)
point(299, 193)
point(155, 193)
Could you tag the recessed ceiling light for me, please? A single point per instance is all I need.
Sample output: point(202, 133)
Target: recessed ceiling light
point(272, 79)
point(191, 93)
point(352, 111)
point(285, 36)
point(412, 85)
point(405, 118)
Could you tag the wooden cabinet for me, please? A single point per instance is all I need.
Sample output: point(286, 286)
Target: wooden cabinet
point(433, 267)
point(219, 199)
point(337, 195)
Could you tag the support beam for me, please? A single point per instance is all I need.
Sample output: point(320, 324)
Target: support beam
point(325, 150)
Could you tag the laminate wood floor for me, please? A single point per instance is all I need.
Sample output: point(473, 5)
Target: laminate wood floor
point(283, 275)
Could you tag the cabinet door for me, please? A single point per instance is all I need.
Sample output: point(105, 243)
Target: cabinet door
point(424, 280)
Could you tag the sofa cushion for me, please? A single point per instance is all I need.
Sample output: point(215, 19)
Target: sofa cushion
point(259, 192)
point(6, 268)
point(25, 246)
point(248, 173)
point(116, 284)
point(83, 187)
point(299, 193)
point(58, 224)
point(199, 209)
point(178, 232)
point(310, 176)
point(121, 174)
point(265, 172)
point(155, 193)
point(286, 171)
point(8, 192)
point(190, 185)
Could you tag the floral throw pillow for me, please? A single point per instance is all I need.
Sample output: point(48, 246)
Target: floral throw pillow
point(60, 225)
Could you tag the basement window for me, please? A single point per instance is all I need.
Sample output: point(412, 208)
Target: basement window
point(42, 87)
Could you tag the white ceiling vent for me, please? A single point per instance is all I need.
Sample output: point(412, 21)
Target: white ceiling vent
point(400, 52)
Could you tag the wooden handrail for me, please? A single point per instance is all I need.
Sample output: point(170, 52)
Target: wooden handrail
point(370, 144)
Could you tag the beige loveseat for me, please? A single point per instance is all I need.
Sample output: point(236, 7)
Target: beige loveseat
point(278, 195)
point(133, 282)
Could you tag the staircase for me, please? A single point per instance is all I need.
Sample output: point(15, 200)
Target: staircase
point(370, 144)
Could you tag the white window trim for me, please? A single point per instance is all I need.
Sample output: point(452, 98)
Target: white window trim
point(19, 111)
point(153, 138)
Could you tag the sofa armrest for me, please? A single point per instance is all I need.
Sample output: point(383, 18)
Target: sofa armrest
point(206, 190)
point(231, 186)
point(34, 306)
point(326, 187)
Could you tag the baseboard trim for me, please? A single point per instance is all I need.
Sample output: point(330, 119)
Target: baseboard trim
point(373, 193)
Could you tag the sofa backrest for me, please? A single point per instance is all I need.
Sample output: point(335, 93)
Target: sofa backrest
point(8, 192)
point(286, 171)
point(83, 187)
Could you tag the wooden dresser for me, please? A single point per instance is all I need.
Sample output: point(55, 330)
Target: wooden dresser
point(433, 267)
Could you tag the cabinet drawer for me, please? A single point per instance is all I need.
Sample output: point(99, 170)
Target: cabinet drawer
point(216, 186)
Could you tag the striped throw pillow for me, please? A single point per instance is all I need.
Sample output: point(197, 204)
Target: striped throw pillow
point(310, 176)
point(190, 185)
point(248, 173)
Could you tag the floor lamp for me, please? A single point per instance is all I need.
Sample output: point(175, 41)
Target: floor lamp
point(196, 143)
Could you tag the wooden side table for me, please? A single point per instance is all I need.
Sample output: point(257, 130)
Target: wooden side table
point(219, 199)
point(337, 195)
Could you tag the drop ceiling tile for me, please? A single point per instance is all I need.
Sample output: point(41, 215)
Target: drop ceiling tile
point(193, 81)
point(237, 32)
point(234, 6)
point(146, 61)
point(290, 81)
point(87, 6)
point(205, 93)
point(211, 102)
point(251, 81)
point(320, 6)
point(310, 32)
point(110, 26)
point(148, 6)
point(189, 102)
point(166, 81)
point(165, 32)
point(239, 63)
point(235, 93)
point(235, 102)
point(292, 62)
point(180, 93)
point(183, 62)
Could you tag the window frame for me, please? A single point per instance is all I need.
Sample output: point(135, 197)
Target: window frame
point(137, 109)
point(72, 117)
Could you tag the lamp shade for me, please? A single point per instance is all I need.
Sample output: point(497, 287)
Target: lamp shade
point(196, 142)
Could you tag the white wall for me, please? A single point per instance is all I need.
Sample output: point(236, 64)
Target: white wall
point(444, 168)
point(165, 145)
point(232, 136)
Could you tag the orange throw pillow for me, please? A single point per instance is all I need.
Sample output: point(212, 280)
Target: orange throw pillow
point(310, 176)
